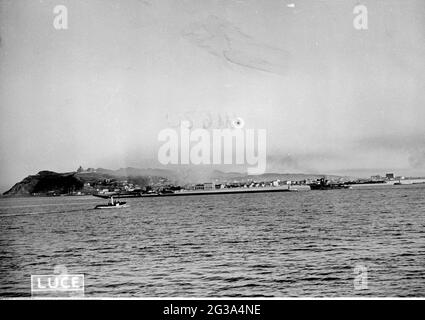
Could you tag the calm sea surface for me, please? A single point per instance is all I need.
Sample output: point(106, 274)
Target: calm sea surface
point(277, 244)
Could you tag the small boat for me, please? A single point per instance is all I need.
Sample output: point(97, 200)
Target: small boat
point(112, 204)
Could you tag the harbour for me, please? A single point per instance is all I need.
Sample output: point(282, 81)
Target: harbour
point(216, 245)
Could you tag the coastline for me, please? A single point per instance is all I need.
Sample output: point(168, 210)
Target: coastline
point(224, 191)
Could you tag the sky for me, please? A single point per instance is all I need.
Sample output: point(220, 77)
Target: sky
point(332, 98)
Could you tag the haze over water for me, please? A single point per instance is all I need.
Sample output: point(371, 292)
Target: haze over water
point(277, 244)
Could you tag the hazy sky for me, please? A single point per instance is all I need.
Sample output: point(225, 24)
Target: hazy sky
point(332, 98)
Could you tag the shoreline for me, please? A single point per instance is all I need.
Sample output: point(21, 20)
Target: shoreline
point(224, 191)
point(293, 188)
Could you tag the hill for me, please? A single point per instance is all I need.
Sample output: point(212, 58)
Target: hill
point(45, 182)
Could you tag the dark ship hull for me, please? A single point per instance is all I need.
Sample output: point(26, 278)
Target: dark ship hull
point(328, 187)
point(323, 184)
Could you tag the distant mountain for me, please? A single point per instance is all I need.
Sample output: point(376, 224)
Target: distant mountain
point(136, 172)
point(234, 176)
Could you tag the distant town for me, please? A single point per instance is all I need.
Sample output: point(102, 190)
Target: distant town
point(133, 183)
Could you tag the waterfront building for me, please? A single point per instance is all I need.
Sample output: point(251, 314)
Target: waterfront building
point(390, 176)
point(209, 186)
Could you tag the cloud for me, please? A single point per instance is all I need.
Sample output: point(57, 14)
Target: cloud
point(412, 146)
point(417, 158)
point(145, 2)
point(393, 141)
point(224, 40)
point(285, 161)
point(307, 161)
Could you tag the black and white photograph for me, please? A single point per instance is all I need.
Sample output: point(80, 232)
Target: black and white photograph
point(212, 149)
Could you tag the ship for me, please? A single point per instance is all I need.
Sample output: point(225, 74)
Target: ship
point(112, 204)
point(323, 184)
